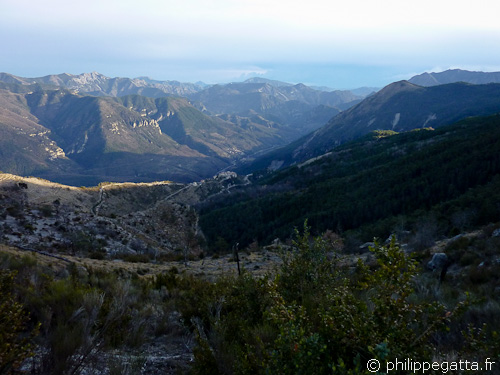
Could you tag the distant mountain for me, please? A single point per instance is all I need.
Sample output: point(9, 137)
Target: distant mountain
point(365, 91)
point(97, 84)
point(268, 81)
point(82, 140)
point(455, 75)
point(288, 105)
point(360, 91)
point(400, 106)
point(263, 97)
point(294, 109)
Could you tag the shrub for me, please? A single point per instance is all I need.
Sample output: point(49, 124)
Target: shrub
point(15, 336)
point(316, 315)
point(80, 316)
point(46, 210)
point(136, 258)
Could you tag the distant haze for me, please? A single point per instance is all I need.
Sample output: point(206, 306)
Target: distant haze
point(324, 43)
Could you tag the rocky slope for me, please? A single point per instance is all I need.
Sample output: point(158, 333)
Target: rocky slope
point(110, 221)
point(148, 221)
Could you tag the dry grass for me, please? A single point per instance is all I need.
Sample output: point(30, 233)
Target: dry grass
point(258, 263)
point(40, 191)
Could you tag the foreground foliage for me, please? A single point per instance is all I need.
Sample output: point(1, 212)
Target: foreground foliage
point(15, 342)
point(318, 312)
point(71, 320)
point(316, 316)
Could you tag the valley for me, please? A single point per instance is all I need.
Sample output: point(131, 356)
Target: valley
point(143, 223)
point(90, 128)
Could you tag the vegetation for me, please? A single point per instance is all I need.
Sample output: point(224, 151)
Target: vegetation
point(371, 186)
point(316, 310)
point(15, 344)
point(317, 315)
point(78, 314)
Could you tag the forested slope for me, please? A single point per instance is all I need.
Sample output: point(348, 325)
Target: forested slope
point(371, 185)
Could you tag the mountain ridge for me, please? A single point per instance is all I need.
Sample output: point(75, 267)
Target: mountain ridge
point(400, 106)
point(95, 83)
point(265, 108)
point(455, 75)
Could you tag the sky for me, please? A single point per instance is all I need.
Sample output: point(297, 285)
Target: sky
point(346, 44)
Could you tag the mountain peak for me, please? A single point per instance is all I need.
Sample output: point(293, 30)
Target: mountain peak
point(267, 81)
point(87, 77)
point(395, 88)
point(400, 85)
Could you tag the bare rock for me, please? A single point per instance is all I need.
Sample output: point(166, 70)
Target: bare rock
point(439, 262)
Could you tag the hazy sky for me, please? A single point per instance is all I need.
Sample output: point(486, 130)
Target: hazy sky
point(343, 44)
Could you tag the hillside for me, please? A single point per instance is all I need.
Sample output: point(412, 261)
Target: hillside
point(400, 106)
point(372, 186)
point(26, 146)
point(128, 221)
point(110, 221)
point(83, 140)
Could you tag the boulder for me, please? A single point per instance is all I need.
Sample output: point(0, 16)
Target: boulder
point(367, 245)
point(439, 262)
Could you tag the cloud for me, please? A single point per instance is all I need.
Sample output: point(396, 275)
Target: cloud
point(227, 38)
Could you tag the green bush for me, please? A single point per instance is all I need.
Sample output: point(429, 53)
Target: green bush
point(315, 314)
point(15, 335)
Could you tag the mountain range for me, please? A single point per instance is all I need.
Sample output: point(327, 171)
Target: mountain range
point(99, 85)
point(400, 106)
point(297, 107)
point(88, 128)
point(81, 139)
